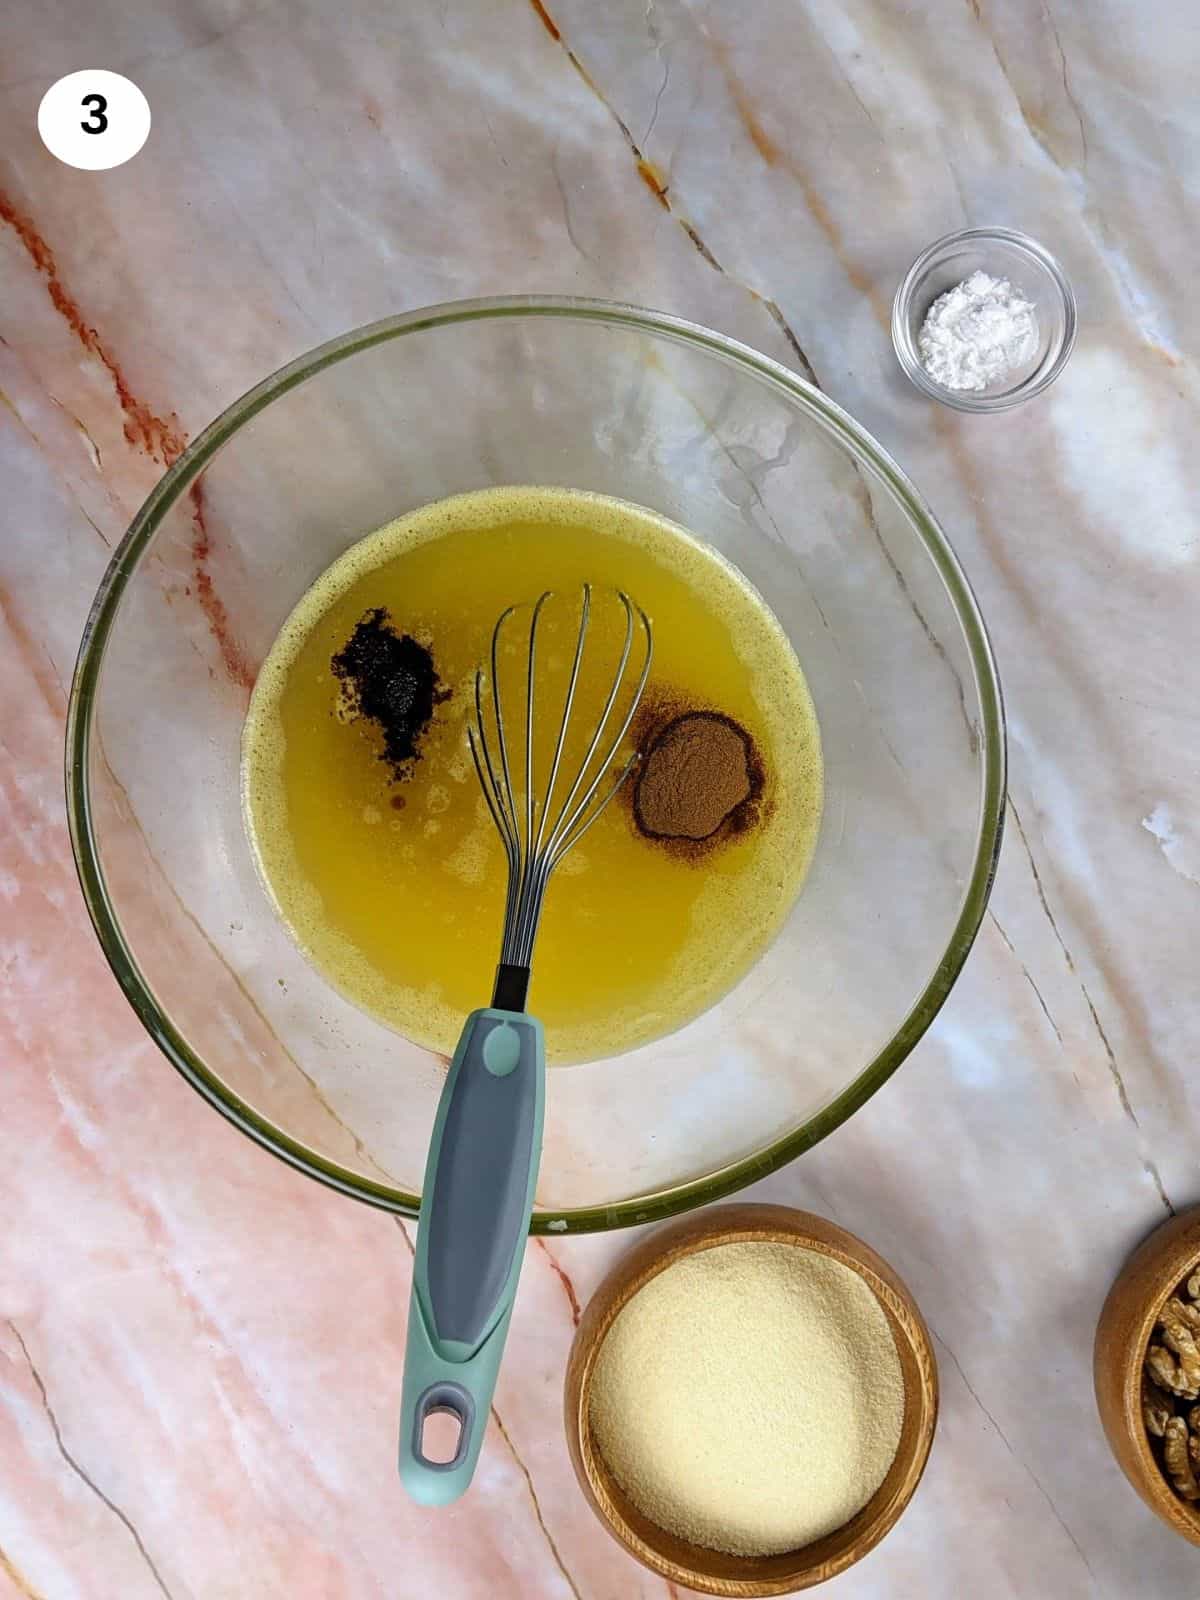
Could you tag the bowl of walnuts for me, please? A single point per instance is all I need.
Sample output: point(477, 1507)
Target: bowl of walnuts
point(1147, 1372)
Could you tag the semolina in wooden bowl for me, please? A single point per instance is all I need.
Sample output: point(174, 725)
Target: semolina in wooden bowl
point(1123, 1334)
point(695, 1566)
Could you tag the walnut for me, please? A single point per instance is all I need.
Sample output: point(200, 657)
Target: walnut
point(1156, 1408)
point(1180, 1311)
point(1178, 1459)
point(1180, 1337)
point(1168, 1374)
point(1171, 1374)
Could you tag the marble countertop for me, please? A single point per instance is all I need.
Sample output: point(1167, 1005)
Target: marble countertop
point(200, 1349)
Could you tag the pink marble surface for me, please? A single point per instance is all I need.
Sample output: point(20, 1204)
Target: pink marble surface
point(200, 1350)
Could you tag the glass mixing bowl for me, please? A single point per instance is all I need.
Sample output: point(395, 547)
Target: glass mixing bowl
point(592, 396)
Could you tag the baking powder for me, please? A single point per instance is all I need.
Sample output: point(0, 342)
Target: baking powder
point(977, 333)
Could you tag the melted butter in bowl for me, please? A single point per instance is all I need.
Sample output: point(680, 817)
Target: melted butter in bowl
point(402, 912)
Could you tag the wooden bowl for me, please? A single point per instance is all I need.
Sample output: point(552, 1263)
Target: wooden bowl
point(712, 1571)
point(1122, 1335)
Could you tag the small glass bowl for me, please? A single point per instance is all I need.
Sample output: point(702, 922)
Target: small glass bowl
point(1001, 253)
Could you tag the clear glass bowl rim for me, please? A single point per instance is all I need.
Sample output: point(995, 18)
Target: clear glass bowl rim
point(964, 400)
point(636, 1209)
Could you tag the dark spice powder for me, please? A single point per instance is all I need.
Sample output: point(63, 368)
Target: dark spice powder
point(389, 678)
point(699, 777)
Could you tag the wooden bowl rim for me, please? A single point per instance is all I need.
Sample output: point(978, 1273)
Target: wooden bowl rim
point(1162, 1260)
point(809, 1565)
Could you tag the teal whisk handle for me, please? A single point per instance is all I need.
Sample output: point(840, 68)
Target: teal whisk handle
point(474, 1220)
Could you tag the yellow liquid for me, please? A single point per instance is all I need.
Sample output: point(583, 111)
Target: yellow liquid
point(402, 909)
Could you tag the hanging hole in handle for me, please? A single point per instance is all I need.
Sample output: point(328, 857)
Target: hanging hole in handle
point(440, 1436)
point(442, 1425)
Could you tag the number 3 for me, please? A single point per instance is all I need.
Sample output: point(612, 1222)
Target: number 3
point(97, 121)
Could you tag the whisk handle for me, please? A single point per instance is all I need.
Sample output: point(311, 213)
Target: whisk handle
point(474, 1220)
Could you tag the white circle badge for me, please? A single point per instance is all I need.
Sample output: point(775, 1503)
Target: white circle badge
point(93, 119)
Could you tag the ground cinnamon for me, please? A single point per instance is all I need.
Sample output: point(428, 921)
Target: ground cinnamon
point(694, 775)
point(389, 678)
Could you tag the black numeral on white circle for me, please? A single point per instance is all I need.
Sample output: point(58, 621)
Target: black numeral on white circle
point(92, 101)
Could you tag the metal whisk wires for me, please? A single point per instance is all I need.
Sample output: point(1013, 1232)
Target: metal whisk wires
point(536, 832)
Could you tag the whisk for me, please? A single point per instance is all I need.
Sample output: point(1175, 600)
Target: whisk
point(486, 1144)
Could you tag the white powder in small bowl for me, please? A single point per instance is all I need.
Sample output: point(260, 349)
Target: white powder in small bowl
point(975, 334)
point(750, 1397)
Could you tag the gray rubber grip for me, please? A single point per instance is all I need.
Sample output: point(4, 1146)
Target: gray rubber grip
point(478, 1216)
